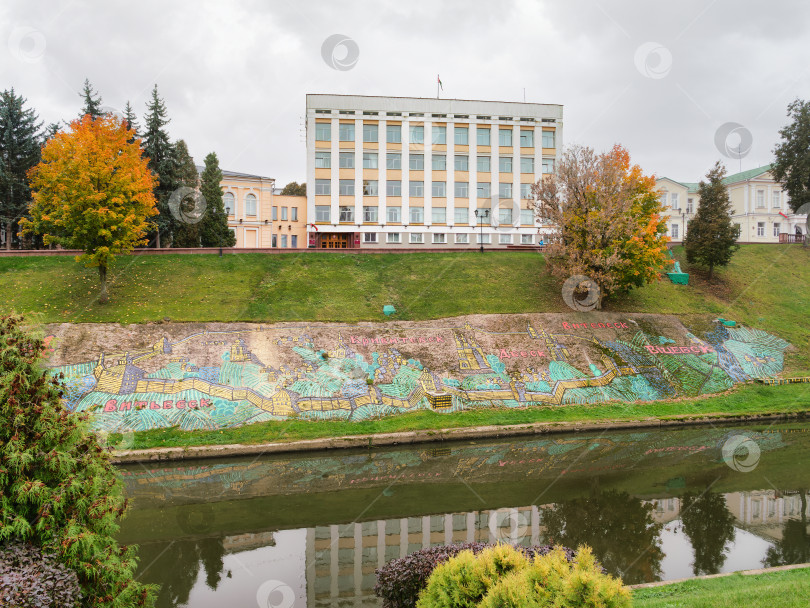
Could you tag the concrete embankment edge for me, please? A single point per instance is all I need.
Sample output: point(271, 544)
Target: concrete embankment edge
point(724, 574)
point(428, 436)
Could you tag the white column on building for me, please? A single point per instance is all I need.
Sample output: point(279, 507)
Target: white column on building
point(406, 167)
point(334, 213)
point(496, 177)
point(535, 525)
point(448, 529)
point(451, 176)
point(516, 175)
point(310, 218)
point(450, 151)
point(358, 173)
point(382, 164)
point(428, 180)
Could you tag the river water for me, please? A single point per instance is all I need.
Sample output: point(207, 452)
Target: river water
point(310, 529)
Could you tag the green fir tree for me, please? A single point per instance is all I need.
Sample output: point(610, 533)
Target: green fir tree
point(711, 238)
point(157, 147)
point(20, 140)
point(132, 120)
point(214, 230)
point(187, 232)
point(92, 101)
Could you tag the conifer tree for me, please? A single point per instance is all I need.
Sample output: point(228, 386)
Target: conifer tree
point(163, 162)
point(214, 231)
point(92, 101)
point(132, 120)
point(711, 237)
point(187, 233)
point(20, 140)
point(792, 166)
point(58, 488)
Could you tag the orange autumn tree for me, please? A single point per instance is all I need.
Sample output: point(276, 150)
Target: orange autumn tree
point(608, 220)
point(92, 191)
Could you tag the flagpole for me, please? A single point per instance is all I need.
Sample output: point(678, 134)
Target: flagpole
point(437, 87)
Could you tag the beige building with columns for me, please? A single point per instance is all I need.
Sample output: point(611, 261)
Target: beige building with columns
point(759, 206)
point(259, 216)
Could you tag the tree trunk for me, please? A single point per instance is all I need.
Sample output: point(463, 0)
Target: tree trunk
point(9, 233)
point(102, 276)
point(711, 270)
point(157, 239)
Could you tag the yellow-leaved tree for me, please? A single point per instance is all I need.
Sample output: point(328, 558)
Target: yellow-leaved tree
point(608, 221)
point(92, 191)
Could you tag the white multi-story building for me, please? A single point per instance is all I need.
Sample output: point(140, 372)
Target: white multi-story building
point(759, 206)
point(414, 172)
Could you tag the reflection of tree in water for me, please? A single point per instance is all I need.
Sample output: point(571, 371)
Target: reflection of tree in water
point(176, 565)
point(794, 546)
point(618, 527)
point(710, 526)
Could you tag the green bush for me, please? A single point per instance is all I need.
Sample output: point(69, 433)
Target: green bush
point(502, 577)
point(464, 580)
point(58, 489)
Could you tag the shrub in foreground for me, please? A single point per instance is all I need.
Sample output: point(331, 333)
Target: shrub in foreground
point(503, 577)
point(464, 580)
point(30, 578)
point(58, 488)
point(400, 581)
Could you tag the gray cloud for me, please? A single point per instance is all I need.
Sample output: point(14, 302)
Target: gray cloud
point(234, 77)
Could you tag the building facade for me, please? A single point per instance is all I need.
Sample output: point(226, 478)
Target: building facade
point(759, 206)
point(413, 172)
point(259, 216)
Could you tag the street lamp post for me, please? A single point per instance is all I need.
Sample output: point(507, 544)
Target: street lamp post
point(481, 214)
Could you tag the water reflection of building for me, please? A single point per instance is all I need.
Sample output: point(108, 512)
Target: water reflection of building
point(762, 512)
point(341, 559)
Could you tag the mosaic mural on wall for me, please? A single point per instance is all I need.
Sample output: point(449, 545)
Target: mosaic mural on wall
point(209, 376)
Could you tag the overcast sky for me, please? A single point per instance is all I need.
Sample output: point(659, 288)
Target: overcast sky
point(659, 77)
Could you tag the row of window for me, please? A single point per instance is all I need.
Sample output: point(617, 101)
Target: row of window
point(280, 240)
point(674, 202)
point(416, 189)
point(441, 238)
point(417, 215)
point(461, 135)
point(675, 229)
point(416, 162)
point(229, 202)
point(675, 205)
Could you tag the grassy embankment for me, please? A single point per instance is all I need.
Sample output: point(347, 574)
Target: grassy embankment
point(784, 589)
point(767, 287)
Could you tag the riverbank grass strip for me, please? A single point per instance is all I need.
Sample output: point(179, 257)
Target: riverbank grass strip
point(748, 400)
point(782, 589)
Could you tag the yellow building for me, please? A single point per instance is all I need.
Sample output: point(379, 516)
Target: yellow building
point(260, 216)
point(759, 207)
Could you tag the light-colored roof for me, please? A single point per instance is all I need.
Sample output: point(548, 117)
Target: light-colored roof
point(734, 178)
point(746, 175)
point(226, 173)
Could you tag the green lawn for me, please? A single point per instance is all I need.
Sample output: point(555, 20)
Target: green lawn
point(785, 589)
point(749, 399)
point(766, 286)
